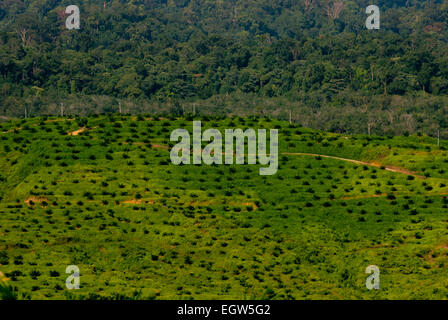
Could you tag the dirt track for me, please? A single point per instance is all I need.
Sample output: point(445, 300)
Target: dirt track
point(372, 164)
point(76, 132)
point(388, 168)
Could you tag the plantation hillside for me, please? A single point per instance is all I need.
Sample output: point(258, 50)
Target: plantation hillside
point(101, 193)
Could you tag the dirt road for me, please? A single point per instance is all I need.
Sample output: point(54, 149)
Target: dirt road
point(388, 168)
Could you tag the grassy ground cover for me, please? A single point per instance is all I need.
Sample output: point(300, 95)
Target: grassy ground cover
point(102, 194)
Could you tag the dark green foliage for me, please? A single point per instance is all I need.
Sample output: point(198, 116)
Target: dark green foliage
point(151, 55)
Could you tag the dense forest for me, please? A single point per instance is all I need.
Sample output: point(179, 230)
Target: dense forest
point(313, 58)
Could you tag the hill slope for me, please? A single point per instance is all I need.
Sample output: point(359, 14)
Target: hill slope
point(102, 194)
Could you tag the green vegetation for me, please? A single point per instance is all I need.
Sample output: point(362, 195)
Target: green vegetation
point(314, 57)
point(101, 193)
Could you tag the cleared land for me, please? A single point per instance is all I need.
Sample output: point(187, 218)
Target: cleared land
point(109, 200)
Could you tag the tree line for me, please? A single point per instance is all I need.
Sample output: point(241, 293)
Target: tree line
point(173, 52)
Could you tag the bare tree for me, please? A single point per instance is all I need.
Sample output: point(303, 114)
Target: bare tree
point(390, 116)
point(408, 122)
point(334, 9)
point(308, 4)
point(23, 35)
point(371, 122)
point(295, 51)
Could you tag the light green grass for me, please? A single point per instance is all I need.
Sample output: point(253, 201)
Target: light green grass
point(139, 227)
